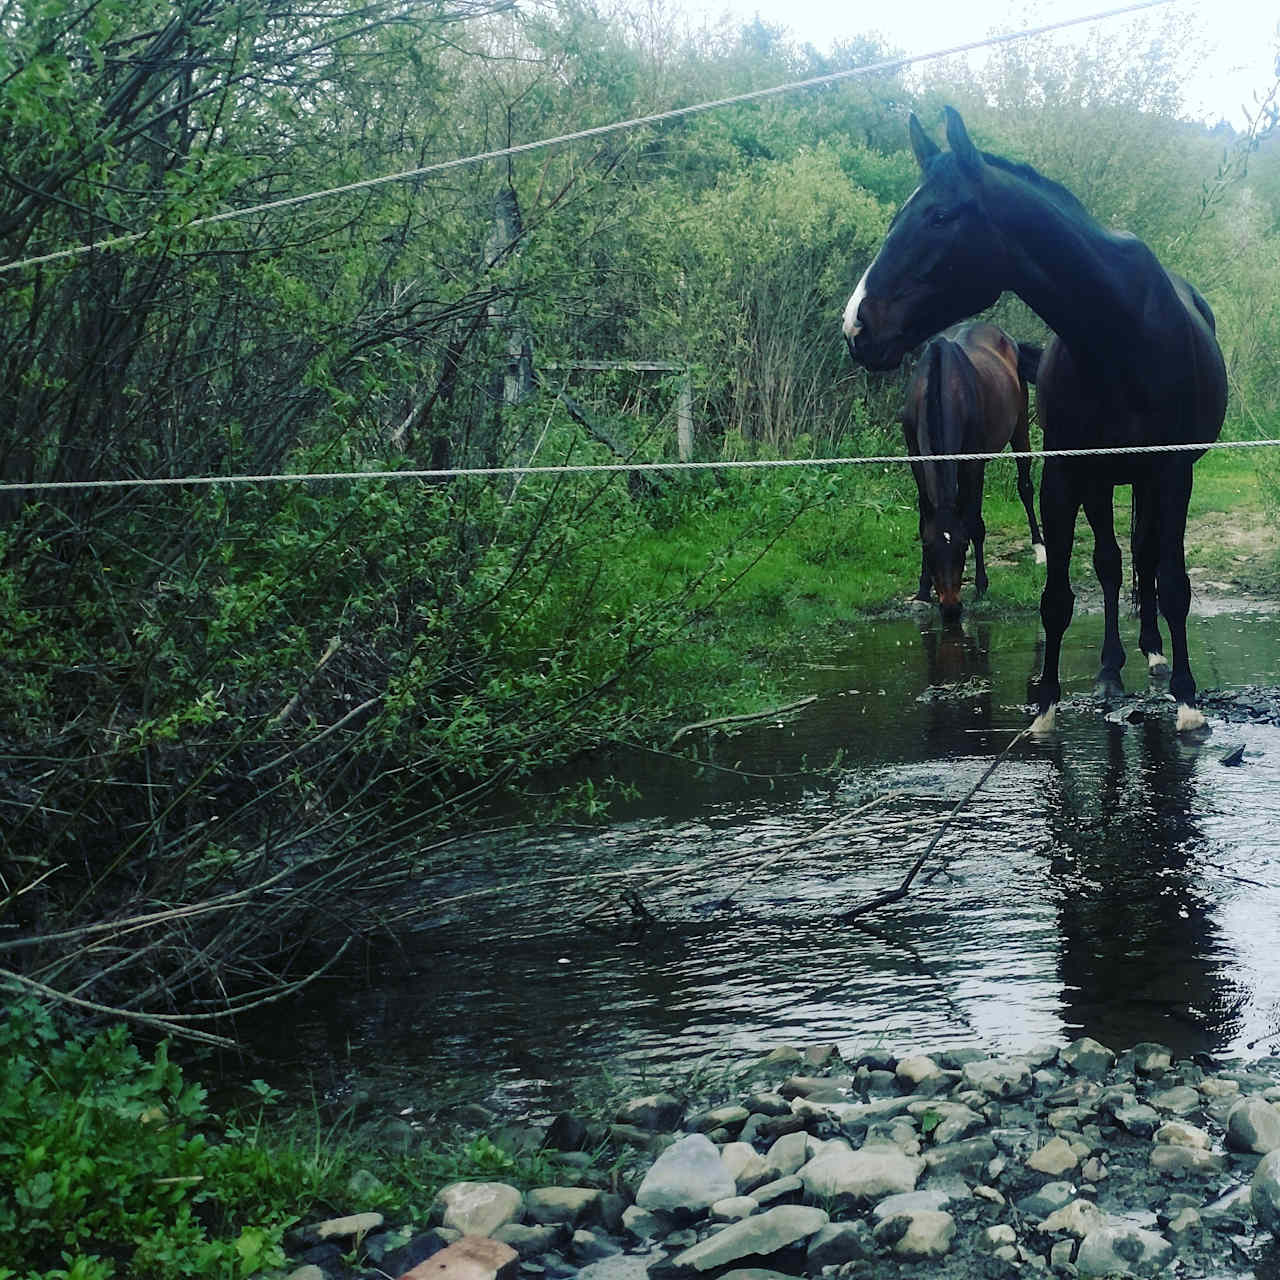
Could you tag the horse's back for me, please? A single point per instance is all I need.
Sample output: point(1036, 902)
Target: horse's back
point(998, 382)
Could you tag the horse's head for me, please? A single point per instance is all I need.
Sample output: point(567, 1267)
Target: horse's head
point(946, 543)
point(941, 260)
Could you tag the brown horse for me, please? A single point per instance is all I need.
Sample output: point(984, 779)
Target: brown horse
point(968, 395)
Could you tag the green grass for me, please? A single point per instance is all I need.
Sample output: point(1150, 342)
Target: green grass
point(802, 555)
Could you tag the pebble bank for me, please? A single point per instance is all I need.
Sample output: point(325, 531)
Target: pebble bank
point(1066, 1161)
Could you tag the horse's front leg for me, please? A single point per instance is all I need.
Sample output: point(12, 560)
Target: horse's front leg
point(1058, 508)
point(1100, 511)
point(1146, 556)
point(1173, 587)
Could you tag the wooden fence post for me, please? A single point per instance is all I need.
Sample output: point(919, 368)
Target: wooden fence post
point(684, 420)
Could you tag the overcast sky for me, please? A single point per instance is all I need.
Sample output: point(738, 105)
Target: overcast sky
point(1241, 33)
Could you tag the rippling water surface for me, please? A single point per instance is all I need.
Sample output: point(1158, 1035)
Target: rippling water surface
point(1110, 880)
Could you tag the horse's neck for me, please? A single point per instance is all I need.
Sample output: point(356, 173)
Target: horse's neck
point(1089, 287)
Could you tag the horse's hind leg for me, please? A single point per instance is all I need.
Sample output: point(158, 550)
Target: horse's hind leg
point(1106, 563)
point(1058, 508)
point(978, 534)
point(1173, 479)
point(1146, 556)
point(1026, 489)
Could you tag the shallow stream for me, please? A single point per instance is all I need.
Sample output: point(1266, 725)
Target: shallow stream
point(1110, 880)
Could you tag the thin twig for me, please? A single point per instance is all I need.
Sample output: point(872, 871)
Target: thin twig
point(744, 718)
point(896, 895)
point(159, 1021)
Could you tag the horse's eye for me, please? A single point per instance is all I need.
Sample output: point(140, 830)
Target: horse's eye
point(940, 216)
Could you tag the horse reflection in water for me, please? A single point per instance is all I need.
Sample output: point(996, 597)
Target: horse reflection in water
point(968, 395)
point(958, 670)
point(1135, 921)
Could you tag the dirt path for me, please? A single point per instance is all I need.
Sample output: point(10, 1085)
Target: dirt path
point(1236, 554)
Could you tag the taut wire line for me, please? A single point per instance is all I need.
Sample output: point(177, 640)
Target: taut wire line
point(597, 468)
point(598, 131)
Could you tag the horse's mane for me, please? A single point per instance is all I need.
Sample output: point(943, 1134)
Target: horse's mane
point(1055, 190)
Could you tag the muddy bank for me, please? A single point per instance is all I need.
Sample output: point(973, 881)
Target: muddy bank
point(1072, 1160)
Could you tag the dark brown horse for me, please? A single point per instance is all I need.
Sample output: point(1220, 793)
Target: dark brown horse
point(968, 395)
point(1133, 363)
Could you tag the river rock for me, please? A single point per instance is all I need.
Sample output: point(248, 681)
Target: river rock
point(1181, 1100)
point(786, 1155)
point(746, 1166)
point(1230, 1212)
point(918, 1234)
point(471, 1258)
point(1054, 1158)
point(730, 1117)
point(759, 1236)
point(870, 1173)
point(645, 1224)
point(1178, 1133)
point(821, 1055)
point(547, 1206)
point(788, 1190)
point(659, 1112)
point(1264, 1193)
point(733, 1209)
point(687, 1178)
point(910, 1202)
point(1151, 1059)
point(1218, 1087)
point(835, 1088)
point(1087, 1057)
point(477, 1208)
point(967, 1157)
point(767, 1104)
point(945, 1122)
point(838, 1243)
point(1178, 1161)
point(587, 1246)
point(1119, 1249)
point(999, 1077)
point(911, 1072)
point(1253, 1125)
point(1048, 1199)
point(1075, 1219)
point(530, 1242)
point(1138, 1119)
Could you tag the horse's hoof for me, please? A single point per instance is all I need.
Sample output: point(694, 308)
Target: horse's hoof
point(1157, 664)
point(1108, 689)
point(1190, 719)
point(1043, 723)
point(1041, 557)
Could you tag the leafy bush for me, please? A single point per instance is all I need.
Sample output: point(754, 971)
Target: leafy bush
point(103, 1171)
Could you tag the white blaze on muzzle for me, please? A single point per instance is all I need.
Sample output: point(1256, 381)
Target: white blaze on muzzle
point(852, 325)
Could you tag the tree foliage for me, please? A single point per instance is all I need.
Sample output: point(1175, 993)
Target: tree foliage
point(233, 716)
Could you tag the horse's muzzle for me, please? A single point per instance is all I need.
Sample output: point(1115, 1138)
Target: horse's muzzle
point(880, 357)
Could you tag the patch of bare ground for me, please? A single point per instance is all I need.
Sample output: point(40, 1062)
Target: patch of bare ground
point(1234, 555)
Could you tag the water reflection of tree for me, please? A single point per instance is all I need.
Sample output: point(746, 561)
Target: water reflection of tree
point(1140, 952)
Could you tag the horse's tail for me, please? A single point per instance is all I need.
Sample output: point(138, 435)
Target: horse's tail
point(950, 407)
point(1029, 354)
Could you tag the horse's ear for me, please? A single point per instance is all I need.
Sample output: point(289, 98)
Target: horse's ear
point(966, 154)
point(924, 146)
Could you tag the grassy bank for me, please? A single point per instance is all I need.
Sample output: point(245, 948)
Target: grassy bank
point(851, 553)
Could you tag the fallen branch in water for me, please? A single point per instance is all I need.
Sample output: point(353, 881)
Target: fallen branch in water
point(896, 895)
point(745, 718)
point(780, 849)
